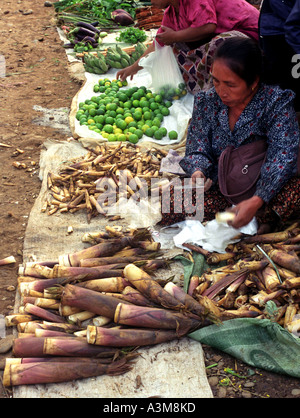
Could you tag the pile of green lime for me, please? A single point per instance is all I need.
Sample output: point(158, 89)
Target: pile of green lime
point(125, 114)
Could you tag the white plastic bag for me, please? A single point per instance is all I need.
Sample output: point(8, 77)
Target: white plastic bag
point(163, 67)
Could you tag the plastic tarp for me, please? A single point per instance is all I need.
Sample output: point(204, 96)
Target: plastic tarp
point(258, 342)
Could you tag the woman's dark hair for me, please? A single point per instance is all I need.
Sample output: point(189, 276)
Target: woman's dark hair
point(243, 56)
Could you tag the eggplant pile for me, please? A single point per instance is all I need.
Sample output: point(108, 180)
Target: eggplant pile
point(87, 34)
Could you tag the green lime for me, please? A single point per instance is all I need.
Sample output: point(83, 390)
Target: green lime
point(173, 135)
point(149, 132)
point(153, 106)
point(163, 130)
point(112, 137)
point(100, 111)
point(145, 127)
point(133, 138)
point(136, 96)
point(112, 113)
point(79, 113)
point(120, 111)
point(156, 121)
point(158, 134)
point(122, 97)
point(137, 115)
point(121, 137)
point(139, 133)
point(120, 123)
point(126, 114)
point(128, 104)
point(144, 104)
point(108, 128)
point(160, 116)
point(99, 119)
point(132, 124)
point(165, 111)
point(93, 111)
point(136, 103)
point(147, 116)
point(109, 120)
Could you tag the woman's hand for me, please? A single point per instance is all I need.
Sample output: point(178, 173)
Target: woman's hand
point(128, 72)
point(245, 211)
point(131, 70)
point(167, 36)
point(200, 175)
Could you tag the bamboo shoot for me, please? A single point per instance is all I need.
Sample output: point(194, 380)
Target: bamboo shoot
point(116, 337)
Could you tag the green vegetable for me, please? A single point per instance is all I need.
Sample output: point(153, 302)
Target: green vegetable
point(132, 35)
point(94, 9)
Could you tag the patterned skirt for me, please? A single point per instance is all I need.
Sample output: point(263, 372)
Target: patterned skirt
point(284, 206)
point(195, 64)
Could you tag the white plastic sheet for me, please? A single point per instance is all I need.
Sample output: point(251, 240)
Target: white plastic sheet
point(213, 236)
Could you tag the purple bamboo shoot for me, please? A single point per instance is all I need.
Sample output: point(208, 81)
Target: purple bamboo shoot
point(88, 273)
point(112, 284)
point(190, 303)
point(150, 288)
point(158, 318)
point(89, 300)
point(57, 372)
point(116, 337)
point(42, 313)
point(75, 347)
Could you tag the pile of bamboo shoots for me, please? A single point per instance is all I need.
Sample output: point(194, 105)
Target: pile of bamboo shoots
point(86, 313)
point(258, 269)
point(149, 17)
point(87, 318)
point(104, 175)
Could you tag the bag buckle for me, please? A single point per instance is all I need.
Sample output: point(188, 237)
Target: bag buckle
point(245, 169)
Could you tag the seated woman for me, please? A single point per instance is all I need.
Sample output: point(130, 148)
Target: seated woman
point(195, 29)
point(234, 112)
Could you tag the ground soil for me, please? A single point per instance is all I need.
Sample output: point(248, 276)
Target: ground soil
point(36, 74)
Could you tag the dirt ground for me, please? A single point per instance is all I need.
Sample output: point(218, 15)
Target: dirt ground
point(36, 74)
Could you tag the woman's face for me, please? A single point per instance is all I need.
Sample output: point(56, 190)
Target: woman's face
point(232, 90)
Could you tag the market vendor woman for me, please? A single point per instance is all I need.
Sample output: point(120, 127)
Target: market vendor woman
point(194, 28)
point(238, 110)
